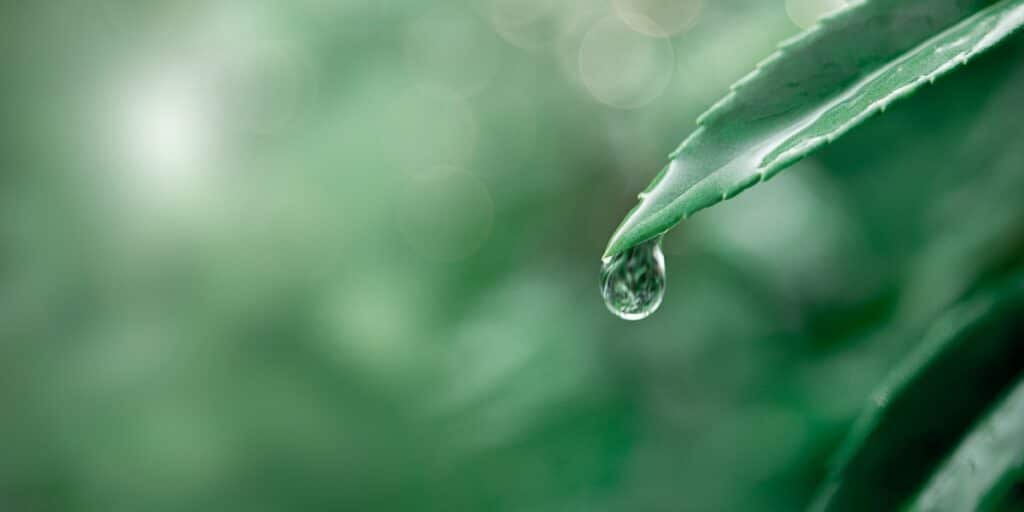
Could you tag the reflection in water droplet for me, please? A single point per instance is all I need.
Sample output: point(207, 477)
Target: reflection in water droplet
point(633, 281)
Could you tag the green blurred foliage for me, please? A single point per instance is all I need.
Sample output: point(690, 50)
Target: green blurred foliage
point(273, 255)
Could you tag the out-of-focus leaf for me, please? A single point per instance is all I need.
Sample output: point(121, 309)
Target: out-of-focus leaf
point(814, 89)
point(969, 359)
point(985, 465)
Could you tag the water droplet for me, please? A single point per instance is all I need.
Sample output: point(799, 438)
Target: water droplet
point(633, 281)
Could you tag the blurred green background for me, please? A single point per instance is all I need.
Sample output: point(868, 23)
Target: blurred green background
point(342, 255)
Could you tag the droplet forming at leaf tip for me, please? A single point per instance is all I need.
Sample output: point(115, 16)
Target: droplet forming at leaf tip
point(633, 281)
point(816, 88)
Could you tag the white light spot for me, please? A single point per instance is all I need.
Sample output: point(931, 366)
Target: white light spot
point(166, 131)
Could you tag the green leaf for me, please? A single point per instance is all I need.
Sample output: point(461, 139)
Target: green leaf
point(989, 460)
point(814, 89)
point(970, 357)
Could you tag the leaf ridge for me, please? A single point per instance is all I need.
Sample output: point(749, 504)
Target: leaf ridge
point(749, 136)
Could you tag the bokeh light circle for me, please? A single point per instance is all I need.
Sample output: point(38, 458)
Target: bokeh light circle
point(531, 24)
point(658, 17)
point(623, 68)
point(453, 49)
